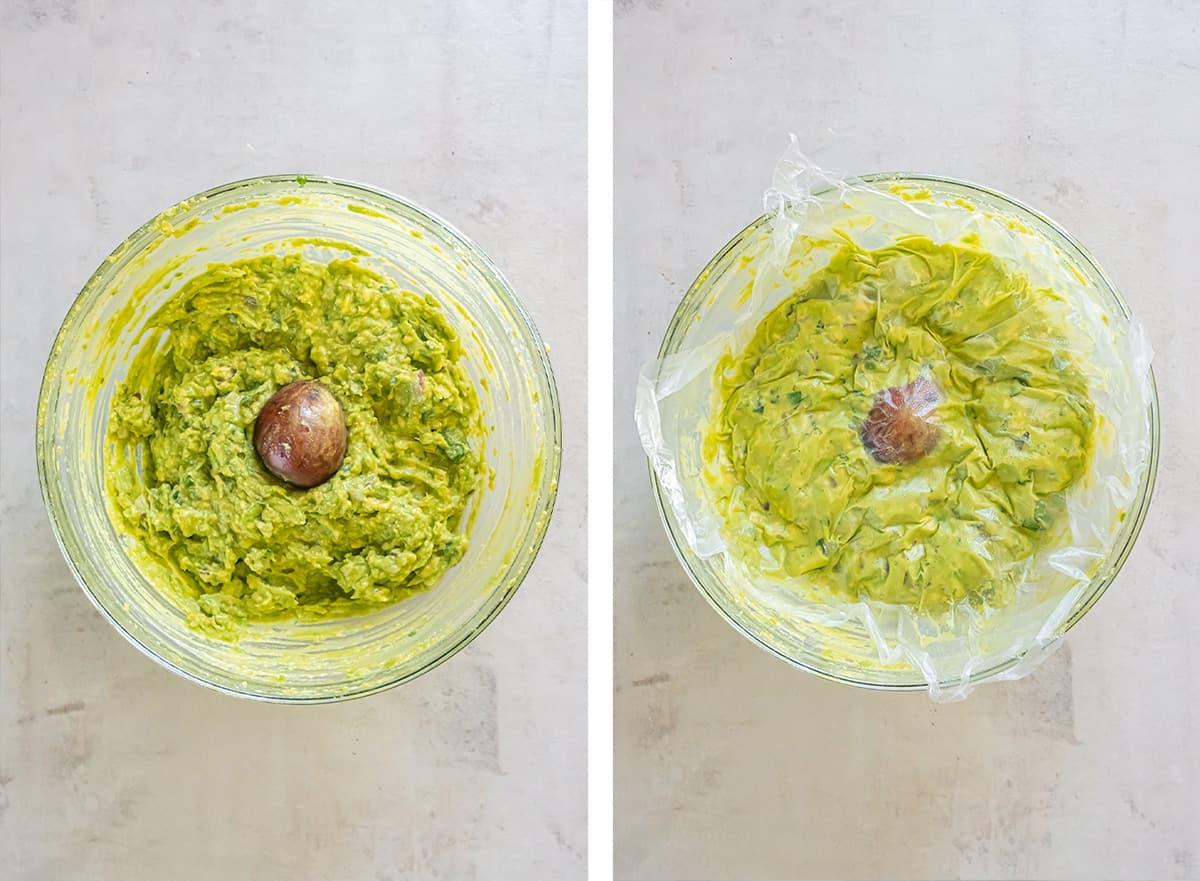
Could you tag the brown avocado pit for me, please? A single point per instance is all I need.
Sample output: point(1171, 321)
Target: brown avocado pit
point(300, 434)
point(901, 427)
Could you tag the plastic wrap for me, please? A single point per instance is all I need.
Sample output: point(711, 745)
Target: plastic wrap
point(811, 216)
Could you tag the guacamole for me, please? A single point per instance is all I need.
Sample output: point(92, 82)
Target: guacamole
point(903, 428)
point(229, 541)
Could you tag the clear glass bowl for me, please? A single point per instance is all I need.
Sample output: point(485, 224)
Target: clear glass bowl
point(848, 653)
point(335, 659)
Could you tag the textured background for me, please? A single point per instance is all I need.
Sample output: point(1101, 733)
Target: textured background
point(113, 768)
point(729, 764)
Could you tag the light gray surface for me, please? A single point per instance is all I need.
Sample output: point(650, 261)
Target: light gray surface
point(113, 768)
point(729, 764)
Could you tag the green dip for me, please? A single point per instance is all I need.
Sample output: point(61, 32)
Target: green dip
point(232, 542)
point(798, 486)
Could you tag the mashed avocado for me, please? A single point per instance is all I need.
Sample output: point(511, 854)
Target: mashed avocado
point(1005, 427)
point(186, 485)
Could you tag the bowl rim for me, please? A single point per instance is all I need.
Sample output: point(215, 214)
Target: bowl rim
point(1121, 548)
point(541, 515)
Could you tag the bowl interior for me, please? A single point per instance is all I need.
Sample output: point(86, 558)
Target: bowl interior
point(848, 647)
point(324, 219)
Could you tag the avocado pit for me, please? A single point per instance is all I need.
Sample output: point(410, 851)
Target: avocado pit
point(300, 434)
point(901, 428)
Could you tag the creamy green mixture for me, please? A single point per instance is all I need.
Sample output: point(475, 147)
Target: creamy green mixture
point(185, 481)
point(803, 492)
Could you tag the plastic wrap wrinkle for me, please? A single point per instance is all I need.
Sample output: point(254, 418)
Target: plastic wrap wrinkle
point(810, 214)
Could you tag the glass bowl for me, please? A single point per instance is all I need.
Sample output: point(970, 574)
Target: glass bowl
point(325, 219)
point(849, 653)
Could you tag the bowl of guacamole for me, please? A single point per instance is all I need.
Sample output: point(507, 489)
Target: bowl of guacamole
point(903, 433)
point(299, 439)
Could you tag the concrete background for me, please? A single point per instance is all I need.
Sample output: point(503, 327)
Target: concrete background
point(729, 764)
point(113, 768)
